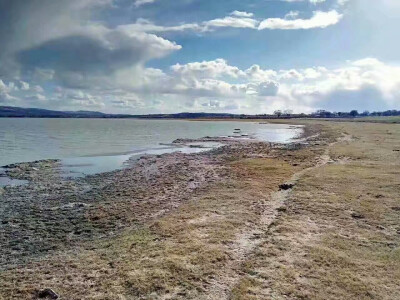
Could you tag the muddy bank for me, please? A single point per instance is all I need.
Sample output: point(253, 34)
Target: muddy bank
point(53, 213)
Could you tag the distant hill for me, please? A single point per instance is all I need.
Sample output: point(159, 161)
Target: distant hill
point(19, 112)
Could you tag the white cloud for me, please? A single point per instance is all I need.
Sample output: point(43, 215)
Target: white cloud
point(99, 66)
point(24, 86)
point(38, 89)
point(342, 2)
point(142, 2)
point(318, 20)
point(144, 25)
point(239, 19)
point(6, 91)
point(210, 69)
point(367, 83)
point(3, 86)
point(218, 86)
point(292, 14)
point(36, 97)
point(242, 14)
point(230, 22)
point(84, 52)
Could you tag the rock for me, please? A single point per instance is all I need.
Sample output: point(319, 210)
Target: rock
point(1, 191)
point(286, 186)
point(356, 215)
point(47, 294)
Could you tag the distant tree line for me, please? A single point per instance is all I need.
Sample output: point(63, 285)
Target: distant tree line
point(328, 114)
point(288, 114)
point(354, 114)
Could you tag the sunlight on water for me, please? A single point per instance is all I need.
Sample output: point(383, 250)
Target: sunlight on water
point(89, 146)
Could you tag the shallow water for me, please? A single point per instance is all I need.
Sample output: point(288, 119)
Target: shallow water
point(89, 146)
point(6, 181)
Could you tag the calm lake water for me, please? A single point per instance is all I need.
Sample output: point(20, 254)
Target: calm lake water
point(98, 145)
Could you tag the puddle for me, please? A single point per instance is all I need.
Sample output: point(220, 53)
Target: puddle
point(90, 165)
point(7, 181)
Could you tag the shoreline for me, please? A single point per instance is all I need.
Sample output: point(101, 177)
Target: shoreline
point(169, 175)
point(16, 174)
point(53, 220)
point(313, 220)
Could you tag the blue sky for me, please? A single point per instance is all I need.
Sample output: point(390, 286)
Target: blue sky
point(151, 56)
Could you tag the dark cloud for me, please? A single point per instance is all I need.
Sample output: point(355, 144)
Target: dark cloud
point(58, 35)
point(89, 55)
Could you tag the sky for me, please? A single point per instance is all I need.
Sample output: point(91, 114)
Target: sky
point(168, 56)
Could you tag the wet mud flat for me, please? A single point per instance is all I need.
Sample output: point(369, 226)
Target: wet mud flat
point(53, 213)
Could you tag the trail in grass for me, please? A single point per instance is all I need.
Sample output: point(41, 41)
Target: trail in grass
point(247, 242)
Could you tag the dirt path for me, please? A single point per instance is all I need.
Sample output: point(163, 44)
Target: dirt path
point(247, 242)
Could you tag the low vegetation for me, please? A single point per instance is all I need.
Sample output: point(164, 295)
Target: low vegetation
point(333, 235)
point(339, 235)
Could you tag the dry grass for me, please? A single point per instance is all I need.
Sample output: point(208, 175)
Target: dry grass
point(177, 256)
point(339, 238)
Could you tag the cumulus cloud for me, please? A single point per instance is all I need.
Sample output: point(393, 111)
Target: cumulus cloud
point(239, 19)
point(24, 86)
point(144, 25)
point(56, 40)
point(319, 19)
point(61, 55)
point(5, 93)
point(97, 50)
point(233, 22)
point(362, 84)
point(268, 88)
point(211, 69)
point(242, 14)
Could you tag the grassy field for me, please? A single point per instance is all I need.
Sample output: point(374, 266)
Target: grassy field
point(339, 236)
point(394, 119)
point(389, 120)
point(335, 235)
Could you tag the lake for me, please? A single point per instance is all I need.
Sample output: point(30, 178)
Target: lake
point(88, 146)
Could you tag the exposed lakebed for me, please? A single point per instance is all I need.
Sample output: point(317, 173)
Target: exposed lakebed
point(56, 213)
